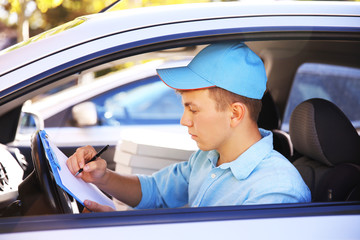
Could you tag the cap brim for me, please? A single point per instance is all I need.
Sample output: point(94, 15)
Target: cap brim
point(182, 78)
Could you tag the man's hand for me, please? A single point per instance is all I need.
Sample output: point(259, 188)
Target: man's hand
point(125, 188)
point(93, 172)
point(96, 207)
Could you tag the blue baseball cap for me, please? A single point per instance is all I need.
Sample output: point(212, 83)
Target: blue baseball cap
point(229, 65)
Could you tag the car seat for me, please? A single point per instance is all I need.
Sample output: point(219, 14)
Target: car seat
point(330, 150)
point(269, 119)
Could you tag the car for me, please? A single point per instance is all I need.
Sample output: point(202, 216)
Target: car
point(319, 139)
point(97, 112)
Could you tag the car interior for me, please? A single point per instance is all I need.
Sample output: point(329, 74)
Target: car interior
point(322, 142)
point(329, 148)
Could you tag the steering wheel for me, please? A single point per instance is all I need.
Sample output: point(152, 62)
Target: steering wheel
point(56, 198)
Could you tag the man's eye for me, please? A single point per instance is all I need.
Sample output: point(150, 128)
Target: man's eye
point(192, 110)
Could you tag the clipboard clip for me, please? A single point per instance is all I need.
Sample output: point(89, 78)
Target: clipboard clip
point(48, 151)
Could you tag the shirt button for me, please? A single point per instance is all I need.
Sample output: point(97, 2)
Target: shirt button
point(213, 175)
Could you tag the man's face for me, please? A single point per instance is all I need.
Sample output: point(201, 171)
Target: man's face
point(207, 126)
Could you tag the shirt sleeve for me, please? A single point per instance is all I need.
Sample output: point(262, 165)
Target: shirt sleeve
point(277, 196)
point(280, 188)
point(167, 188)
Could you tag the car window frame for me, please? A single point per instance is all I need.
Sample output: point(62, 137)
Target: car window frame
point(176, 216)
point(31, 223)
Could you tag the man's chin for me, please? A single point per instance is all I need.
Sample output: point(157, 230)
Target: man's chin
point(202, 147)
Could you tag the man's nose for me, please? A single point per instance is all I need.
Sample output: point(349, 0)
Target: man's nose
point(185, 120)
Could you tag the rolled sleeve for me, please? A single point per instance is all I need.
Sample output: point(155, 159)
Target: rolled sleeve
point(147, 188)
point(165, 188)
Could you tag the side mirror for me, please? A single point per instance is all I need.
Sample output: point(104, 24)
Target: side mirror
point(29, 123)
point(85, 114)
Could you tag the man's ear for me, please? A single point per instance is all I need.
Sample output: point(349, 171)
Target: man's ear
point(237, 113)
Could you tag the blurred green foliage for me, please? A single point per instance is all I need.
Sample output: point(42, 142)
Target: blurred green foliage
point(32, 17)
point(41, 15)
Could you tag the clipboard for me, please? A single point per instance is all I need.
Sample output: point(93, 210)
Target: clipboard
point(76, 187)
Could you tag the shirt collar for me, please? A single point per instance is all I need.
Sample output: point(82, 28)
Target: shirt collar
point(213, 157)
point(248, 160)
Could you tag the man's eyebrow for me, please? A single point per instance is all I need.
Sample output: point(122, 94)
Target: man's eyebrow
point(186, 104)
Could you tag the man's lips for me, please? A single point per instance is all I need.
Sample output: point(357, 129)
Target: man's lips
point(192, 135)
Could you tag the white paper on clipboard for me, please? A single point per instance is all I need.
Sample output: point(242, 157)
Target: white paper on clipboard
point(76, 187)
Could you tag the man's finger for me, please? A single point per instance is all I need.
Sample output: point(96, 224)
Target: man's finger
point(95, 207)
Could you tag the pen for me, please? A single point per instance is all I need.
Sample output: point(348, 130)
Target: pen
point(93, 158)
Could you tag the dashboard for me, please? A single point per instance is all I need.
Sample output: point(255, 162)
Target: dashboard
point(12, 169)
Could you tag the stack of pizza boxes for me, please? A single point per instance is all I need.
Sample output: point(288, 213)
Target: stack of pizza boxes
point(145, 152)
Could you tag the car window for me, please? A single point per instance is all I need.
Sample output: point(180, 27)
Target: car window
point(338, 84)
point(148, 101)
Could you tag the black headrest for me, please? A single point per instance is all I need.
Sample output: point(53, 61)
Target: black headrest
point(269, 116)
point(321, 131)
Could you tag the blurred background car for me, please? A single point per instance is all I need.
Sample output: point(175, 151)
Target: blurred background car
point(96, 111)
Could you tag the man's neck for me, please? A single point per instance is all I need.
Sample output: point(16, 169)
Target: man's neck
point(237, 145)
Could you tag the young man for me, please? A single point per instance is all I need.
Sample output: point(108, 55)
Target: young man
point(221, 91)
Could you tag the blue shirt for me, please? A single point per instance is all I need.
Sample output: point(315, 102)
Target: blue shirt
point(260, 175)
